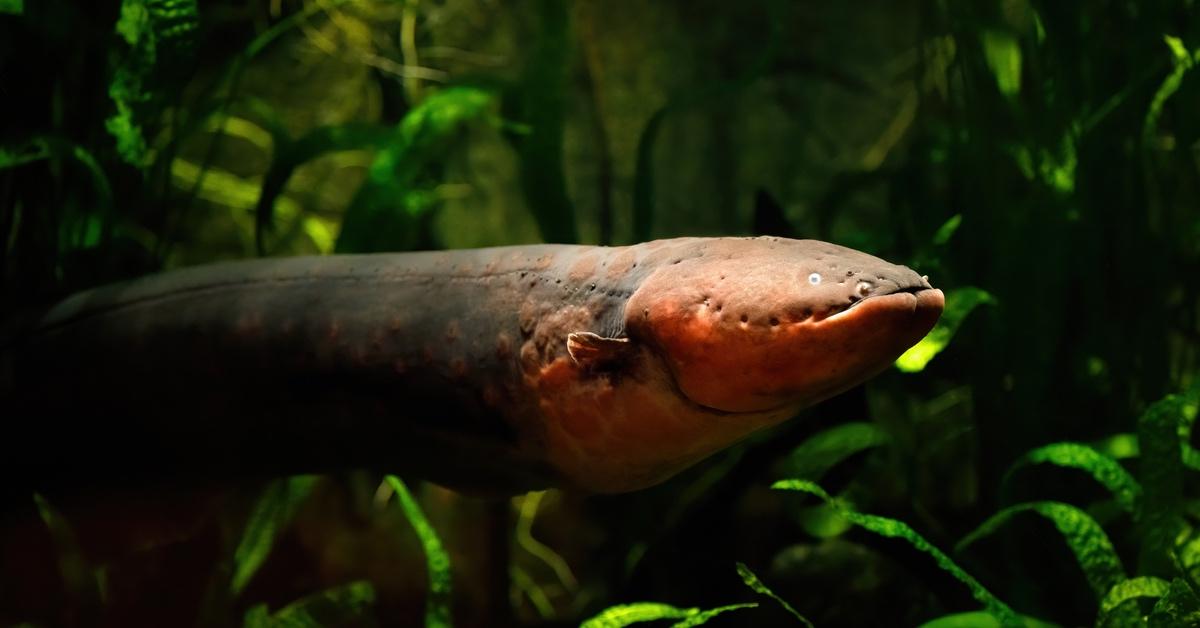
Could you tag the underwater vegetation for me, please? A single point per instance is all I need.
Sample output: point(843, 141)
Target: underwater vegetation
point(1031, 462)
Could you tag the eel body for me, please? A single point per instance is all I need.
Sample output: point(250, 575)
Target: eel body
point(503, 369)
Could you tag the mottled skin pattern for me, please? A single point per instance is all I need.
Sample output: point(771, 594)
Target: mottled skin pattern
point(505, 369)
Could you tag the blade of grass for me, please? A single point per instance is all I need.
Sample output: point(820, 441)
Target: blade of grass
point(627, 614)
point(437, 561)
point(892, 528)
point(272, 512)
point(757, 585)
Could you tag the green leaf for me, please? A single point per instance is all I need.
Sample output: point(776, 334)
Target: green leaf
point(959, 303)
point(1126, 590)
point(1118, 446)
point(1086, 539)
point(1183, 62)
point(1002, 51)
point(80, 580)
point(271, 514)
point(289, 154)
point(757, 585)
point(946, 231)
point(1161, 475)
point(822, 451)
point(892, 528)
point(1178, 607)
point(15, 7)
point(340, 606)
point(980, 619)
point(377, 219)
point(1105, 470)
point(158, 34)
point(627, 614)
point(438, 604)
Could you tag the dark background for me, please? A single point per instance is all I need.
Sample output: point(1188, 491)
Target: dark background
point(1044, 153)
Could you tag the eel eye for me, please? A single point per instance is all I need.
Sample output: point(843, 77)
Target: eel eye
point(814, 278)
point(863, 288)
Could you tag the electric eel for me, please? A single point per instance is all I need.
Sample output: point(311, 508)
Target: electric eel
point(492, 370)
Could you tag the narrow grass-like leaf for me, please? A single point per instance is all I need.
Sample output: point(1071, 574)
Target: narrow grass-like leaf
point(437, 561)
point(757, 585)
point(1107, 471)
point(638, 612)
point(78, 577)
point(1178, 607)
point(1126, 590)
point(340, 606)
point(1182, 63)
point(272, 512)
point(821, 451)
point(703, 616)
point(892, 528)
point(1086, 539)
point(959, 303)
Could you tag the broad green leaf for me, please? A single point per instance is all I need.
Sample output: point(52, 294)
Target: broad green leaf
point(1126, 590)
point(1086, 539)
point(1161, 475)
point(627, 614)
point(437, 561)
point(757, 585)
point(272, 513)
point(1105, 470)
point(1002, 51)
point(823, 450)
point(381, 216)
point(959, 303)
point(15, 7)
point(892, 528)
point(339, 606)
point(1179, 606)
point(980, 619)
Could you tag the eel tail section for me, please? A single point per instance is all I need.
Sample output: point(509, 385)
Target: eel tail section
point(490, 370)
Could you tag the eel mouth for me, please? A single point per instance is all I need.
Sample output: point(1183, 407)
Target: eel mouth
point(916, 298)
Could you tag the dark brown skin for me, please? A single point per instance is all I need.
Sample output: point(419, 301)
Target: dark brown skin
point(498, 370)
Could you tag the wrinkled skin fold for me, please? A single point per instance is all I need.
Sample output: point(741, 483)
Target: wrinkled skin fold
point(496, 370)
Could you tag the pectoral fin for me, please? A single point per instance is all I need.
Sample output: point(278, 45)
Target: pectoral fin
point(591, 350)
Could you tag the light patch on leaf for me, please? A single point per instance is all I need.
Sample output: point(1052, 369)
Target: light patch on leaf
point(1002, 51)
point(959, 303)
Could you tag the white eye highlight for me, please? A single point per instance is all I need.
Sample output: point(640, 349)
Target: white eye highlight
point(814, 278)
point(863, 288)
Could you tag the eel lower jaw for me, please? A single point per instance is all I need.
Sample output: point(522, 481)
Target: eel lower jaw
point(917, 298)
